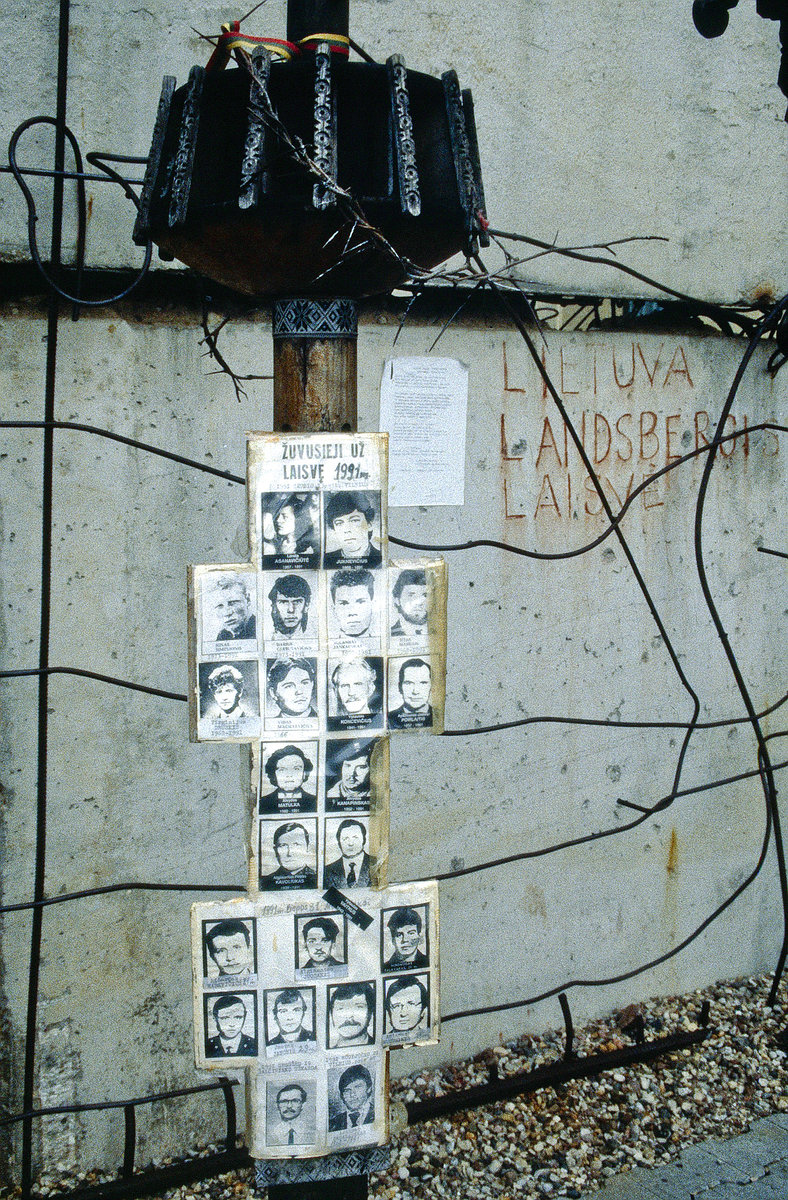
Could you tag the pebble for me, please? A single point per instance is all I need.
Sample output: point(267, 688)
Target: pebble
point(567, 1141)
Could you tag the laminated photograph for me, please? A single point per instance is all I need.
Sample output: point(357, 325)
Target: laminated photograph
point(406, 1010)
point(349, 774)
point(292, 699)
point(228, 701)
point(289, 777)
point(289, 1016)
point(298, 482)
point(231, 1028)
point(226, 611)
point(355, 688)
point(355, 610)
point(288, 854)
point(416, 693)
point(417, 607)
point(347, 861)
point(229, 952)
point(291, 605)
point(290, 524)
point(352, 527)
point(321, 946)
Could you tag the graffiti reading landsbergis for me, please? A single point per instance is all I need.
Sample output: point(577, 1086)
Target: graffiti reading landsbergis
point(313, 653)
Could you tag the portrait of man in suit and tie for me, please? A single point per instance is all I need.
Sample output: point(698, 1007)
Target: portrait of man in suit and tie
point(351, 869)
point(356, 1102)
point(290, 1113)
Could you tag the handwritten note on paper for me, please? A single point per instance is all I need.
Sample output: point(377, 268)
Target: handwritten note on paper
point(424, 408)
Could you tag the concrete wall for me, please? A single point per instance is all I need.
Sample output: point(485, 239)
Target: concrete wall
point(596, 121)
point(130, 799)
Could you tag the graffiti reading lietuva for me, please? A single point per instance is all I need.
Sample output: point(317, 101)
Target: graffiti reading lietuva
point(313, 653)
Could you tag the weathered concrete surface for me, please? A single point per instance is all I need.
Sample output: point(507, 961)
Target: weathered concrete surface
point(131, 799)
point(596, 121)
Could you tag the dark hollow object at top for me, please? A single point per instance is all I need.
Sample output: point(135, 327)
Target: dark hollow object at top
point(225, 193)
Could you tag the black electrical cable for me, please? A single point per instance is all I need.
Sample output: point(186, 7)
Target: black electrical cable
point(63, 132)
point(47, 517)
point(560, 555)
point(121, 683)
point(770, 792)
point(583, 839)
point(622, 541)
point(603, 723)
point(124, 441)
point(132, 886)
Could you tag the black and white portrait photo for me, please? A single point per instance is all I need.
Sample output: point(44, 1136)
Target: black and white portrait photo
point(351, 1015)
point(406, 1009)
point(291, 529)
point(288, 782)
point(290, 1019)
point(291, 695)
point(355, 610)
point(229, 949)
point(229, 700)
point(348, 774)
point(410, 693)
point(321, 945)
point(230, 1025)
point(352, 529)
point(351, 1098)
point(288, 854)
point(408, 629)
point(347, 862)
point(291, 612)
point(227, 603)
point(355, 693)
point(404, 938)
point(290, 1111)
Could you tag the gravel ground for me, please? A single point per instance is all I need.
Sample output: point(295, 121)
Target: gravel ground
point(567, 1141)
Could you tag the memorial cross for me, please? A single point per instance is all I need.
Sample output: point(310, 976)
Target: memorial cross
point(312, 653)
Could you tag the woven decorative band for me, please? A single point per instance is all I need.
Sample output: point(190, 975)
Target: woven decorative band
point(315, 318)
point(270, 1172)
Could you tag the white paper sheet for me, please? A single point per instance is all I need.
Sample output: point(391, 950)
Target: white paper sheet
point(423, 408)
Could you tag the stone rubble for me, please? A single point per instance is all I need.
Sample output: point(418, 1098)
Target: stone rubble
point(566, 1141)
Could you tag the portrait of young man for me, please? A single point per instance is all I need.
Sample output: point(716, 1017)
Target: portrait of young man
point(291, 694)
point(409, 605)
point(320, 942)
point(351, 1015)
point(291, 1014)
point(348, 768)
point(406, 1009)
point(410, 707)
point(291, 529)
point(230, 1013)
point(355, 693)
point(350, 526)
point(290, 1113)
point(355, 1091)
point(228, 601)
point(354, 622)
point(287, 777)
point(407, 937)
point(290, 613)
point(293, 846)
point(229, 950)
point(351, 868)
